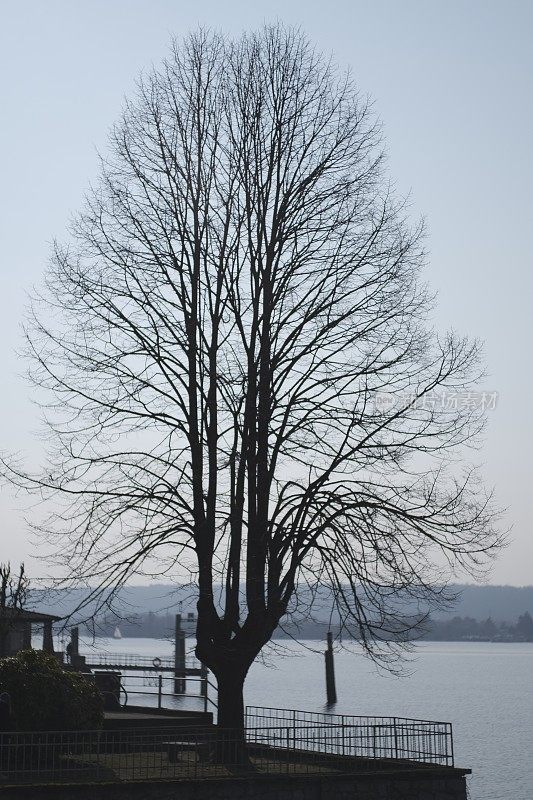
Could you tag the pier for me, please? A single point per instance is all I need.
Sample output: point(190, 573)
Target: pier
point(135, 663)
point(110, 668)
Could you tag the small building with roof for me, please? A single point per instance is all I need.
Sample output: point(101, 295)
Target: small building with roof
point(16, 630)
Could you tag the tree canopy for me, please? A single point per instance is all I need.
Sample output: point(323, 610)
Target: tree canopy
point(244, 383)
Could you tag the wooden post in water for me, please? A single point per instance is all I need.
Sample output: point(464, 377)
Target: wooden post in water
point(331, 692)
point(180, 684)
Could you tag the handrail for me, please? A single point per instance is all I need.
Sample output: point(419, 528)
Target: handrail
point(134, 660)
point(156, 689)
point(343, 716)
point(423, 741)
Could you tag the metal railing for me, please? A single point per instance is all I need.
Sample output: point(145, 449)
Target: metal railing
point(203, 752)
point(399, 738)
point(132, 660)
point(159, 691)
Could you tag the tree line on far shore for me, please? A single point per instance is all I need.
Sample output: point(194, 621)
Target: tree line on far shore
point(449, 629)
point(470, 629)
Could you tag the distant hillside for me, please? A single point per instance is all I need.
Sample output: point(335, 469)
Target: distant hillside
point(158, 598)
point(502, 603)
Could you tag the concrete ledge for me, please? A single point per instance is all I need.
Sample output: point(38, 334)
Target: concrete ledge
point(446, 783)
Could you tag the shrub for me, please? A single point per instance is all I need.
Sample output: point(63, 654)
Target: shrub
point(44, 697)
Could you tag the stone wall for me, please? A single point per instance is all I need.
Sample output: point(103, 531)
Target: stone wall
point(436, 784)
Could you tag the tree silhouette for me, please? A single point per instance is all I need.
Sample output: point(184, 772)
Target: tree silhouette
point(524, 626)
point(13, 588)
point(244, 385)
point(13, 599)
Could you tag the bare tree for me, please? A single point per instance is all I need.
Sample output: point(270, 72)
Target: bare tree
point(244, 385)
point(13, 590)
point(13, 599)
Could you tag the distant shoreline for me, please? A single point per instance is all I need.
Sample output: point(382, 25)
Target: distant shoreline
point(316, 638)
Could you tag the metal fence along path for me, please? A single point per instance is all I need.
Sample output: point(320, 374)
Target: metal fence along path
point(277, 741)
point(423, 741)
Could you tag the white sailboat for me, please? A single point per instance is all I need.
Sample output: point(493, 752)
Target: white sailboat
point(117, 634)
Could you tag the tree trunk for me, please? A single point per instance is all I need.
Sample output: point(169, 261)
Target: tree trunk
point(231, 738)
point(230, 699)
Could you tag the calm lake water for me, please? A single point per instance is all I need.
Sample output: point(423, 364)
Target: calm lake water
point(484, 689)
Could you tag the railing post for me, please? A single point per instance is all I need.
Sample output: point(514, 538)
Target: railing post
point(159, 690)
point(204, 685)
point(451, 747)
point(395, 739)
point(98, 758)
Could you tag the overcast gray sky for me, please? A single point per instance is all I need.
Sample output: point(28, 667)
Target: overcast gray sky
point(452, 82)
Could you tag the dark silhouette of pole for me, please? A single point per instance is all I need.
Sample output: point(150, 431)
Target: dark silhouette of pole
point(75, 641)
point(179, 658)
point(203, 685)
point(331, 692)
point(48, 637)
